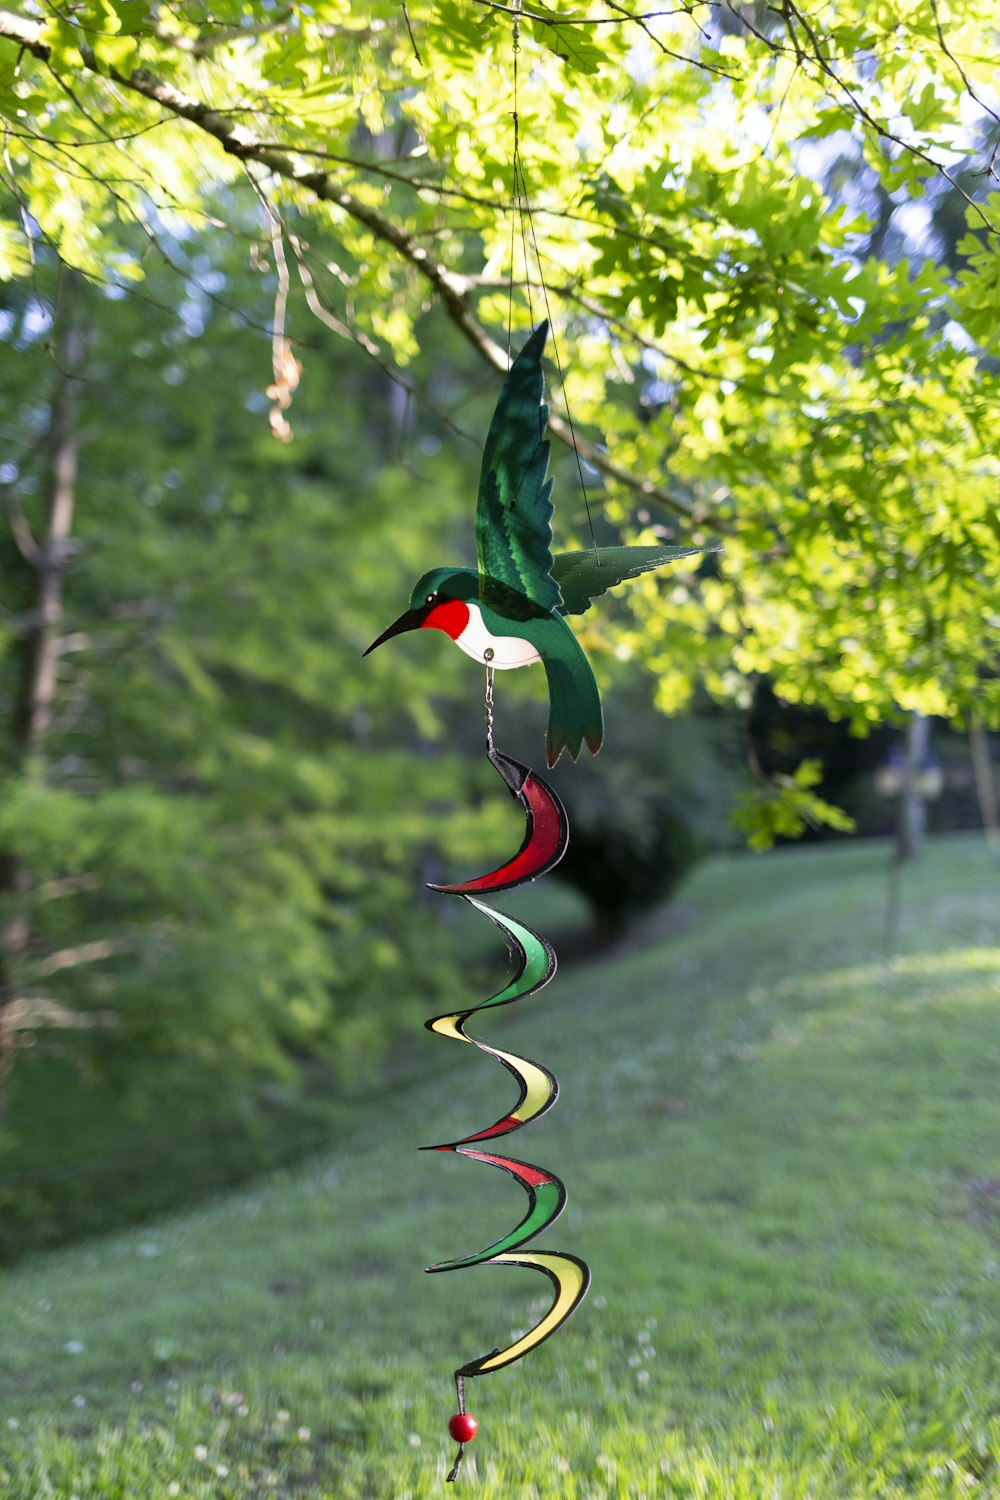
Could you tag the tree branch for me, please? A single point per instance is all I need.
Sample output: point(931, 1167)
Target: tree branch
point(83, 953)
point(33, 1011)
point(244, 144)
point(22, 532)
point(67, 885)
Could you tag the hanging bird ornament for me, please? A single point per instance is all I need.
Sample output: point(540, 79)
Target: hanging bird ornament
point(511, 611)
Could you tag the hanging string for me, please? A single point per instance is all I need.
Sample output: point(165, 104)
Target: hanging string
point(524, 215)
point(521, 211)
point(519, 165)
point(513, 196)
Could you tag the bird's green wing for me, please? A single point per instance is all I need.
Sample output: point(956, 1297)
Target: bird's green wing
point(514, 513)
point(583, 576)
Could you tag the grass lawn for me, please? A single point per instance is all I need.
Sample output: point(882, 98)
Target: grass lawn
point(784, 1168)
point(87, 1149)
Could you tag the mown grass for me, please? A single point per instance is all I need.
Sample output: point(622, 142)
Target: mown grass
point(784, 1167)
point(90, 1144)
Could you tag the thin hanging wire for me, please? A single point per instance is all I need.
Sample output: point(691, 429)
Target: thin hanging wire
point(517, 199)
point(521, 213)
point(519, 166)
point(513, 195)
point(524, 216)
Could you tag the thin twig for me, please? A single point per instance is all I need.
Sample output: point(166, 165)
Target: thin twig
point(991, 165)
point(851, 93)
point(527, 15)
point(324, 314)
point(128, 210)
point(21, 531)
point(409, 28)
point(695, 62)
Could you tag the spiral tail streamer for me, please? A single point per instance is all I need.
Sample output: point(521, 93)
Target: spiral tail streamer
point(546, 835)
point(570, 1277)
point(545, 841)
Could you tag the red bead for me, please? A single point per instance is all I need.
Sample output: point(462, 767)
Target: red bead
point(462, 1427)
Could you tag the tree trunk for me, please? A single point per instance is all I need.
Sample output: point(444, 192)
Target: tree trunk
point(986, 787)
point(912, 822)
point(32, 714)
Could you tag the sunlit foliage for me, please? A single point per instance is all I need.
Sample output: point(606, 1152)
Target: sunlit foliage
point(743, 356)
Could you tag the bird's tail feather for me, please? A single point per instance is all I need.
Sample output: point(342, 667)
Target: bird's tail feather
point(575, 714)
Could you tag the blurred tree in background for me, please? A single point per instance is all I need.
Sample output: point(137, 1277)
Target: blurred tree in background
point(257, 271)
point(201, 863)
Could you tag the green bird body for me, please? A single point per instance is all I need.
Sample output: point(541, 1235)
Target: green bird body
point(511, 612)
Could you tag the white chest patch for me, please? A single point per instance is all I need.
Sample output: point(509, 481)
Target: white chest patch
point(509, 651)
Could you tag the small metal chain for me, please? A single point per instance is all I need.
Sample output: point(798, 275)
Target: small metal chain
point(489, 708)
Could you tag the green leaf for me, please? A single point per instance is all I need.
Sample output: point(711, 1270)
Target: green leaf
point(117, 52)
point(786, 807)
point(571, 43)
point(133, 15)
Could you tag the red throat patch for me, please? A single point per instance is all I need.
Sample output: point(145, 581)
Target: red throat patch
point(452, 617)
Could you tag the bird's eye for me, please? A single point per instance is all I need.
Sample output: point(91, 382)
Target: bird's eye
point(431, 598)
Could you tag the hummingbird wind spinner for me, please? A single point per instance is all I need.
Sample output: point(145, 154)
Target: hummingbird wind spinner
point(510, 613)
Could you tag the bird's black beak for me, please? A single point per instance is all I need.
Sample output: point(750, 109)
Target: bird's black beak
point(411, 620)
